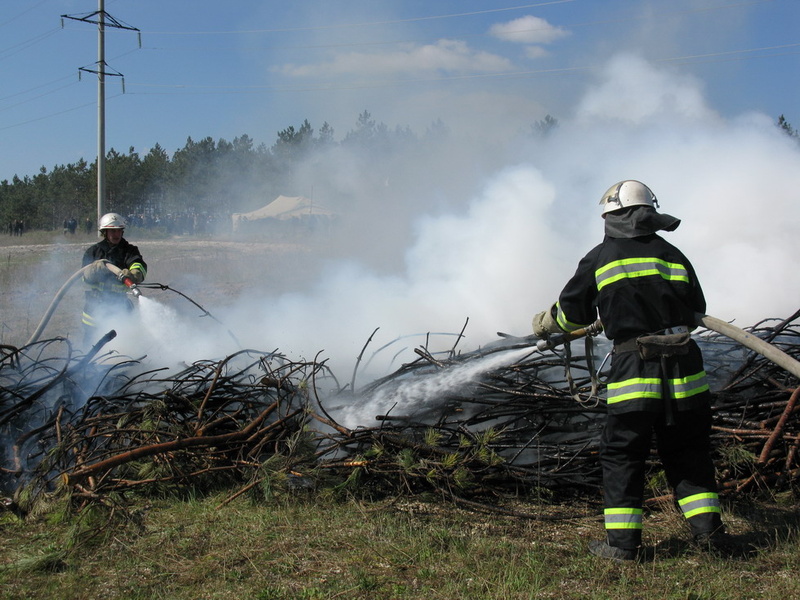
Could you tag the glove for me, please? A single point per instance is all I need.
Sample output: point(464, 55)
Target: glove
point(135, 276)
point(95, 271)
point(544, 324)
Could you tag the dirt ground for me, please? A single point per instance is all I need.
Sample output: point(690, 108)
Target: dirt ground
point(34, 268)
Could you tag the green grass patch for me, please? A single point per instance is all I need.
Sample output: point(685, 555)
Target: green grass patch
point(310, 547)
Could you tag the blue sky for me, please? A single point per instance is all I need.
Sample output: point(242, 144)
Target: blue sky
point(223, 69)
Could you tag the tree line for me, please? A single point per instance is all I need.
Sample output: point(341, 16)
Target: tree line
point(206, 179)
point(203, 178)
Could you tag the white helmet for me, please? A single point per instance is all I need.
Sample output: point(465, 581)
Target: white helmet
point(111, 221)
point(627, 193)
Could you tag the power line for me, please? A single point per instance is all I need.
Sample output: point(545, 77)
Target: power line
point(58, 89)
point(354, 44)
point(24, 12)
point(16, 48)
point(42, 118)
point(23, 92)
point(368, 23)
point(251, 89)
point(456, 15)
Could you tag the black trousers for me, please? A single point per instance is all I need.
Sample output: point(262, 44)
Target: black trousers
point(685, 452)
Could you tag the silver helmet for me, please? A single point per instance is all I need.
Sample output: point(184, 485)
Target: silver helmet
point(111, 221)
point(627, 193)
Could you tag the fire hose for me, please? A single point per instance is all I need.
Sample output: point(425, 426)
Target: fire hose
point(67, 284)
point(750, 341)
point(754, 343)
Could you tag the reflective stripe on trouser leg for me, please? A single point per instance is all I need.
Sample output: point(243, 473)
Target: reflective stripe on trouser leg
point(623, 527)
point(623, 518)
point(701, 511)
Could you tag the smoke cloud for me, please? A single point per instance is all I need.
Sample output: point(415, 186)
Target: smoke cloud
point(503, 251)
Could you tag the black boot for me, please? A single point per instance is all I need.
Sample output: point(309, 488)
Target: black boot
point(603, 550)
point(719, 543)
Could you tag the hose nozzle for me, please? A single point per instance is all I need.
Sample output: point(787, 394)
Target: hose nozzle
point(134, 289)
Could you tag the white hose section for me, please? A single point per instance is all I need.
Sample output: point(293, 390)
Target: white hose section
point(755, 343)
point(57, 298)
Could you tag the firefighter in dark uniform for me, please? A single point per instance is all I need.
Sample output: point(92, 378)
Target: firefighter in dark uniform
point(646, 294)
point(106, 293)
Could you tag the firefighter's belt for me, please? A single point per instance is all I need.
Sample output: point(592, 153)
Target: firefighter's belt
point(656, 346)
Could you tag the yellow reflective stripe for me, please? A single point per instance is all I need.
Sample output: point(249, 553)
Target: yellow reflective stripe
point(565, 323)
point(650, 387)
point(701, 510)
point(685, 387)
point(623, 518)
point(138, 267)
point(639, 267)
point(636, 387)
point(700, 496)
point(697, 504)
point(88, 320)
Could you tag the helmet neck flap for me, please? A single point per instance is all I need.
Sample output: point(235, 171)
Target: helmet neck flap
point(637, 221)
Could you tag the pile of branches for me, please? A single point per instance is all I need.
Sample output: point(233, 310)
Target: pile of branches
point(98, 428)
point(101, 426)
point(755, 429)
point(535, 424)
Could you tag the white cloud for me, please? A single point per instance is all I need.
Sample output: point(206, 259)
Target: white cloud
point(528, 30)
point(446, 56)
point(535, 52)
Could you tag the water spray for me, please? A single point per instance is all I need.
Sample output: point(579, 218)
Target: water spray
point(410, 394)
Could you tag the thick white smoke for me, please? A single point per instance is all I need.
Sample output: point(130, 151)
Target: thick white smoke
point(508, 251)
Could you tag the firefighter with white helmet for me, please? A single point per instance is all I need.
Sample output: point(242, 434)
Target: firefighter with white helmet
point(106, 292)
point(646, 293)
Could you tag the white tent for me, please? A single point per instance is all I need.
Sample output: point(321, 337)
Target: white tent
point(283, 208)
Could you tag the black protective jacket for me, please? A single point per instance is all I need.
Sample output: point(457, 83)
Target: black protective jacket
point(124, 255)
point(640, 285)
point(108, 292)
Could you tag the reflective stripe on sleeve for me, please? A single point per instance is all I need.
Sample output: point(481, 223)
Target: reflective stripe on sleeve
point(623, 518)
point(696, 504)
point(565, 323)
point(139, 267)
point(639, 267)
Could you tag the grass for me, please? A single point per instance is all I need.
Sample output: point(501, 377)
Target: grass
point(316, 547)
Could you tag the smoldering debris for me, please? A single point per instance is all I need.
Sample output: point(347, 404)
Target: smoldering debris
point(100, 426)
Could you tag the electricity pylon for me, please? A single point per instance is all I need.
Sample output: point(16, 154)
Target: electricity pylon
point(102, 19)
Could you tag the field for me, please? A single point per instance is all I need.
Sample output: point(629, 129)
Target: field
point(279, 542)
